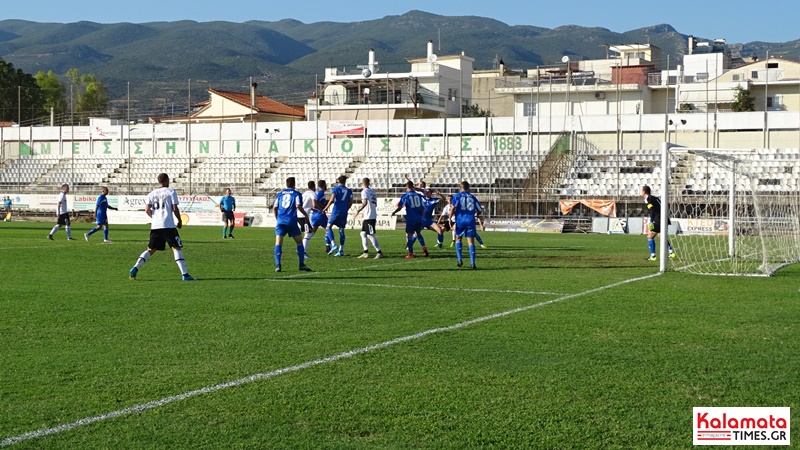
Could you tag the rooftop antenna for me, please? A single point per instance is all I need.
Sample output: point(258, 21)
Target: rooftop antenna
point(439, 31)
point(496, 62)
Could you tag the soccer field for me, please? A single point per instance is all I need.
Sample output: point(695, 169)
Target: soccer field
point(556, 341)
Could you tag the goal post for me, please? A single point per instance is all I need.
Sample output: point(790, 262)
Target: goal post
point(733, 211)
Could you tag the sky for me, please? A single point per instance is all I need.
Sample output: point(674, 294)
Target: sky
point(738, 21)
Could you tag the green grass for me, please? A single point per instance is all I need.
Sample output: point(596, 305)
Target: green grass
point(618, 368)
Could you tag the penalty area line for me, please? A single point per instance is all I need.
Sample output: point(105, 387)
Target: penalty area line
point(329, 359)
point(406, 286)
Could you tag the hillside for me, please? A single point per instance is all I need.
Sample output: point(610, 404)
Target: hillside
point(159, 58)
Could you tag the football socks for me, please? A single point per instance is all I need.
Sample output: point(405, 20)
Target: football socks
point(278, 252)
point(179, 260)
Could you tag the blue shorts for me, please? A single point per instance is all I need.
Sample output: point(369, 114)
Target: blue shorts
point(101, 220)
point(413, 227)
point(292, 229)
point(319, 220)
point(427, 223)
point(466, 231)
point(340, 221)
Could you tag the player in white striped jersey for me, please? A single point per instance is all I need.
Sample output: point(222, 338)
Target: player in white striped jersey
point(369, 204)
point(447, 220)
point(162, 208)
point(304, 222)
point(62, 214)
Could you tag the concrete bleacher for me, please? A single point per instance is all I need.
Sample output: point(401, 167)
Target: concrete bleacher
point(232, 170)
point(486, 170)
point(598, 172)
point(26, 170)
point(306, 168)
point(143, 171)
point(595, 172)
point(85, 171)
point(769, 170)
point(391, 173)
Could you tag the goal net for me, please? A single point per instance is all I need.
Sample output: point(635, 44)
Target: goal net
point(733, 212)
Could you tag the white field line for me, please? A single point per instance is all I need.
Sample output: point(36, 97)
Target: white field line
point(261, 376)
point(28, 247)
point(404, 286)
point(350, 269)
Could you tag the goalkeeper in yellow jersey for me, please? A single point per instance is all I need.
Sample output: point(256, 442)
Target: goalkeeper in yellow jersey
point(654, 226)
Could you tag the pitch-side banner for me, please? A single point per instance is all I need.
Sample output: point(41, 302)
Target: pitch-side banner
point(382, 222)
point(525, 225)
point(605, 207)
point(346, 128)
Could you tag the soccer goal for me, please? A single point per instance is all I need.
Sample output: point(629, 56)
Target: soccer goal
point(733, 212)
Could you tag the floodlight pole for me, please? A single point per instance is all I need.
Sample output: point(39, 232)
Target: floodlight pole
point(665, 168)
point(732, 211)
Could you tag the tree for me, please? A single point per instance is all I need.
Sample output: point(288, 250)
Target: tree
point(742, 101)
point(474, 110)
point(20, 97)
point(53, 92)
point(92, 95)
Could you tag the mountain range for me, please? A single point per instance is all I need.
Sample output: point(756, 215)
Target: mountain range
point(157, 59)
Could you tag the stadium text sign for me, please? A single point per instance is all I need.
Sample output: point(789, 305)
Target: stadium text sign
point(740, 426)
point(348, 128)
point(525, 225)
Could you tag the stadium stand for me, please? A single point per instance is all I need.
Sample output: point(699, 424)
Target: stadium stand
point(83, 171)
point(593, 172)
point(26, 170)
point(232, 170)
point(391, 172)
point(487, 170)
point(304, 168)
point(597, 172)
point(143, 170)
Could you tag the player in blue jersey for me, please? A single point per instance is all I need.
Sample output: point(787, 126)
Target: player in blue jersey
point(479, 222)
point(101, 215)
point(412, 202)
point(7, 204)
point(341, 199)
point(429, 202)
point(287, 204)
point(465, 207)
point(227, 205)
point(422, 187)
point(318, 217)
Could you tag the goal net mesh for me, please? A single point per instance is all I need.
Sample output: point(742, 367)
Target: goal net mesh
point(734, 212)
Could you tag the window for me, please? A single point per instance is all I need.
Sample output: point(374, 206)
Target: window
point(736, 77)
point(772, 65)
point(770, 102)
point(529, 109)
point(754, 74)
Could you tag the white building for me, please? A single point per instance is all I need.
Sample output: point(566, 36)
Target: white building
point(435, 86)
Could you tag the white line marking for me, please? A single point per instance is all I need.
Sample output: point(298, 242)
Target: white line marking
point(37, 246)
point(426, 288)
point(261, 376)
point(349, 269)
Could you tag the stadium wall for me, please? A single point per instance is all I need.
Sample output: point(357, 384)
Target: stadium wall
point(426, 136)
